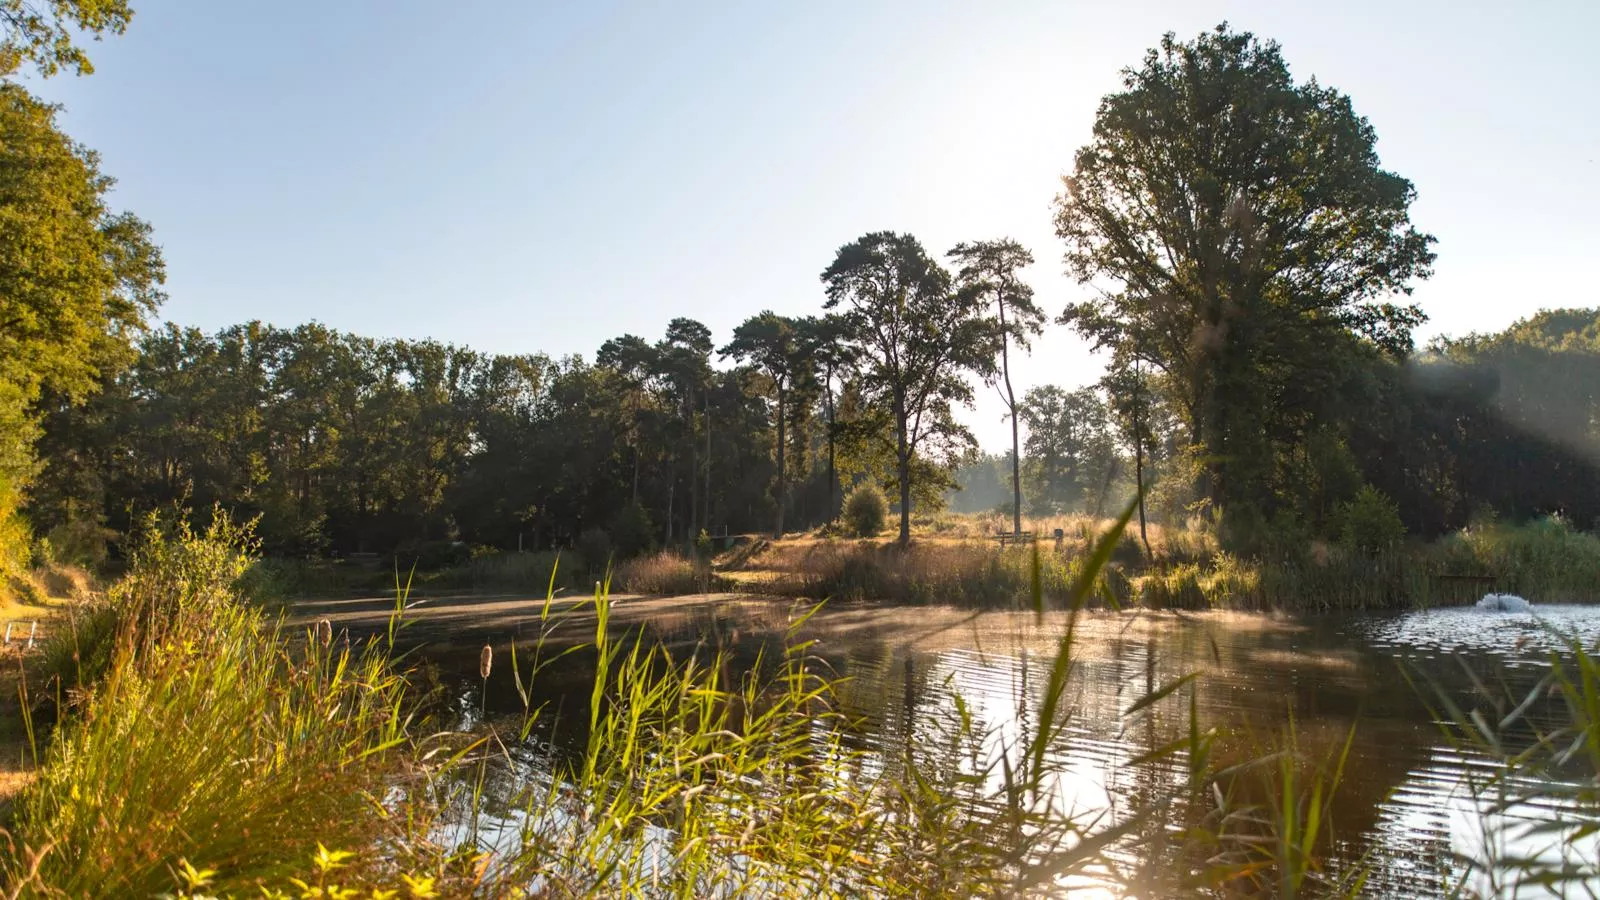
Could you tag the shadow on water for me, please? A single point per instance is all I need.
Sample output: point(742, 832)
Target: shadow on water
point(1399, 810)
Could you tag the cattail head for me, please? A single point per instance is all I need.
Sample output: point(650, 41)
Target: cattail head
point(485, 661)
point(324, 632)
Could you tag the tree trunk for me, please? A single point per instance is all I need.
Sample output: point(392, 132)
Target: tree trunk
point(707, 407)
point(782, 484)
point(694, 470)
point(1138, 485)
point(1011, 406)
point(1138, 455)
point(833, 477)
point(903, 457)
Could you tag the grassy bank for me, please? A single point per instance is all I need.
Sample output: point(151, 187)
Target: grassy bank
point(952, 563)
point(663, 573)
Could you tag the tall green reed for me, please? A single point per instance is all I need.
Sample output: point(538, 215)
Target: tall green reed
point(211, 736)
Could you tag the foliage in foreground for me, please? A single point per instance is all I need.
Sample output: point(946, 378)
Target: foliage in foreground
point(205, 734)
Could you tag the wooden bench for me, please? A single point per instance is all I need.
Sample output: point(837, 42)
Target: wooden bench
point(1007, 538)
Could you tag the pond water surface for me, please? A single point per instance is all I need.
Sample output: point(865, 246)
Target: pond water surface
point(1402, 810)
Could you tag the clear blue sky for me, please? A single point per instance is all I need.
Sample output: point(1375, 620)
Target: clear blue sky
point(525, 176)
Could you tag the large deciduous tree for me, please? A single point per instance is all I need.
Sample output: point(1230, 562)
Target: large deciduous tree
point(916, 339)
point(77, 280)
point(1071, 454)
point(775, 347)
point(990, 271)
point(1230, 219)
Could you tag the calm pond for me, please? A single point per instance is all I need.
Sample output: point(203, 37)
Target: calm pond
point(1402, 807)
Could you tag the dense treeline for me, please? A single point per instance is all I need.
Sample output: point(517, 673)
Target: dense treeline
point(343, 444)
point(1505, 423)
point(1243, 270)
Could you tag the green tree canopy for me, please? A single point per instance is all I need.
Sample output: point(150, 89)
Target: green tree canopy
point(991, 271)
point(916, 340)
point(775, 347)
point(1230, 219)
point(43, 33)
point(77, 281)
point(1072, 454)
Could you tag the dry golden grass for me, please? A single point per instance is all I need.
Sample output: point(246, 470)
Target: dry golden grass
point(61, 581)
point(661, 574)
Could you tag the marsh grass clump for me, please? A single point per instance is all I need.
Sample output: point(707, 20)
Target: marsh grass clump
point(666, 574)
point(957, 573)
point(1176, 588)
point(211, 735)
point(1546, 560)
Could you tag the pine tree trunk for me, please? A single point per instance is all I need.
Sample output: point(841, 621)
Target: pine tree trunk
point(1011, 404)
point(782, 491)
point(833, 476)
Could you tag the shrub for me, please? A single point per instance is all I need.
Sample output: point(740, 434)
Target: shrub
point(665, 574)
point(1128, 552)
point(594, 547)
point(65, 581)
point(178, 580)
point(866, 510)
point(633, 533)
point(1370, 521)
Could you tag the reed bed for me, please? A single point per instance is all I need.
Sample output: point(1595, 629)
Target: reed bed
point(1546, 561)
point(208, 736)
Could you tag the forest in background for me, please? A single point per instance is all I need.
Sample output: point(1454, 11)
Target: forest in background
point(1243, 250)
point(346, 444)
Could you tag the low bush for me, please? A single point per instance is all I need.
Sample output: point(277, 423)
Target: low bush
point(663, 574)
point(866, 510)
point(1370, 521)
point(65, 581)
